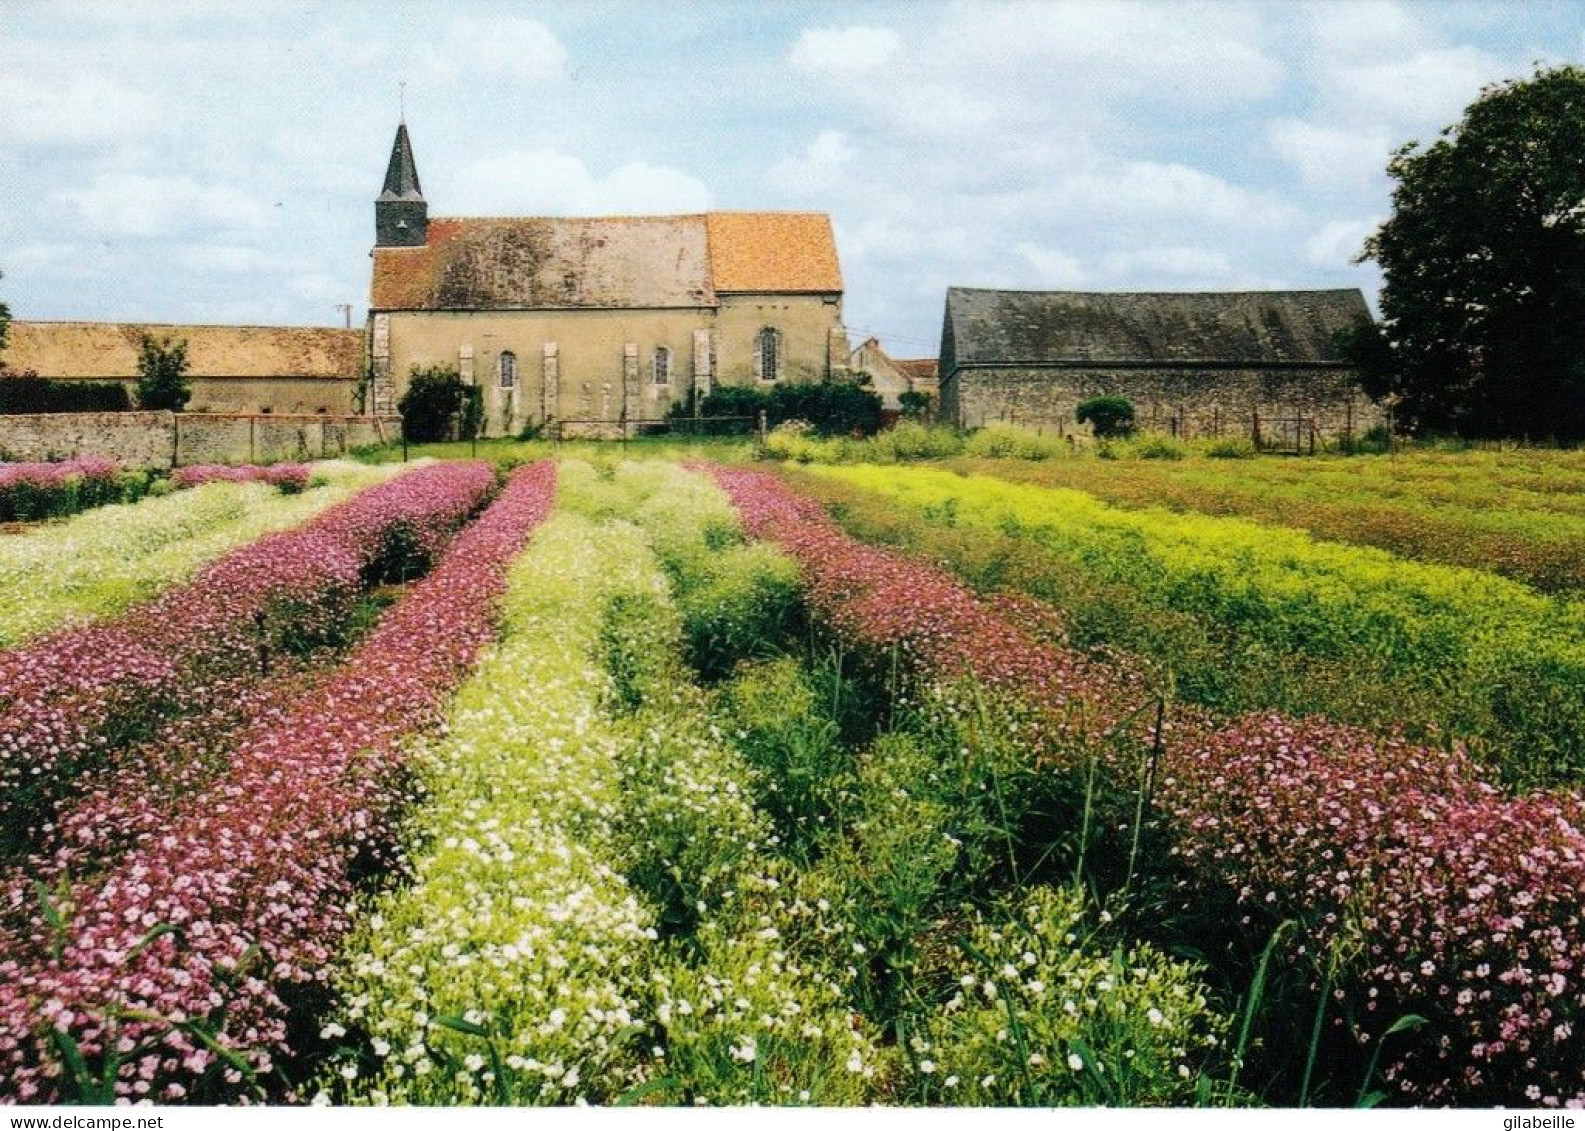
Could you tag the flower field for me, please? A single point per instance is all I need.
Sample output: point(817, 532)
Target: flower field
point(606, 782)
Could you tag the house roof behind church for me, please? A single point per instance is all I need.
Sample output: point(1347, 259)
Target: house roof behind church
point(109, 350)
point(615, 262)
point(1254, 327)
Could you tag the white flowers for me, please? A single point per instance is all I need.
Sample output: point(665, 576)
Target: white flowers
point(1075, 1062)
point(745, 1050)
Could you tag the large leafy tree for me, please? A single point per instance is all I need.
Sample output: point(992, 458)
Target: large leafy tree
point(1484, 261)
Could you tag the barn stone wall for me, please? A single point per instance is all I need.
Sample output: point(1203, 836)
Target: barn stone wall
point(134, 439)
point(1186, 402)
point(161, 439)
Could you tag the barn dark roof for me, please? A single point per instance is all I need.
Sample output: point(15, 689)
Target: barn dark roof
point(1076, 327)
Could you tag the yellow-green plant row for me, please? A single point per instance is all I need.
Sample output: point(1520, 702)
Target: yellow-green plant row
point(1510, 663)
point(102, 561)
point(1527, 536)
point(579, 804)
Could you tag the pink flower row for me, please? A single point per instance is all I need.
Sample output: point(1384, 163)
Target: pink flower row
point(70, 700)
point(38, 490)
point(289, 477)
point(255, 873)
point(1468, 906)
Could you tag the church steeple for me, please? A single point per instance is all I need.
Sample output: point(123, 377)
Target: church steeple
point(401, 215)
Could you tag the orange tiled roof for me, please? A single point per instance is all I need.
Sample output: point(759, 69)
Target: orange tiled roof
point(918, 368)
point(613, 262)
point(773, 251)
point(107, 350)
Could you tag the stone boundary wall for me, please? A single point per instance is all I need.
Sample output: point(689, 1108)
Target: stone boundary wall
point(1186, 403)
point(163, 439)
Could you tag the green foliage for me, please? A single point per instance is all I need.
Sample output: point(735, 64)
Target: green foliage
point(915, 405)
point(1484, 267)
point(1049, 1011)
point(433, 403)
point(1107, 416)
point(1005, 441)
point(1228, 447)
point(830, 408)
point(29, 393)
point(162, 374)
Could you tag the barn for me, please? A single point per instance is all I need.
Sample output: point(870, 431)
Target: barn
point(1265, 364)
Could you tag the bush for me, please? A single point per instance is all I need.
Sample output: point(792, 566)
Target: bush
point(1107, 416)
point(1047, 1015)
point(162, 369)
point(31, 393)
point(915, 405)
point(1229, 447)
point(1003, 441)
point(830, 408)
point(1158, 445)
point(434, 400)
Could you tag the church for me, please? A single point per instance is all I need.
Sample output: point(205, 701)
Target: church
point(596, 325)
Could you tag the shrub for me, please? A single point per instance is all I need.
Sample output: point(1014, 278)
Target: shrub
point(162, 369)
point(434, 400)
point(1229, 447)
point(31, 393)
point(1158, 445)
point(915, 405)
point(1004, 441)
point(1046, 1017)
point(1107, 416)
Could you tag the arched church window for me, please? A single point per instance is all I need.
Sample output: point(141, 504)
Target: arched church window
point(662, 365)
point(508, 369)
point(767, 354)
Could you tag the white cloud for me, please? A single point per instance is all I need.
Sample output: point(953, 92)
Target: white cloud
point(511, 47)
point(1337, 242)
point(1179, 261)
point(546, 182)
point(1332, 155)
point(844, 50)
point(133, 204)
point(1054, 268)
point(71, 108)
point(1124, 191)
point(1429, 88)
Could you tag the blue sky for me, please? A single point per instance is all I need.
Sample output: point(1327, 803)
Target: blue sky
point(170, 161)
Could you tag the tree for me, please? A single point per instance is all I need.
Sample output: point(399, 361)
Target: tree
point(915, 404)
point(1107, 416)
point(1484, 265)
point(434, 398)
point(162, 369)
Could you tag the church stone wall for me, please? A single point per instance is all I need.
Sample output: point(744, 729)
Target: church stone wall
point(601, 366)
point(805, 323)
point(1188, 403)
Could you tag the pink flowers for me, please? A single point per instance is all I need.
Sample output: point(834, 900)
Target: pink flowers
point(288, 477)
point(70, 700)
point(255, 872)
point(44, 490)
point(881, 602)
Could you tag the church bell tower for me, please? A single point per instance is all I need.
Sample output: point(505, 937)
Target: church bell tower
point(401, 214)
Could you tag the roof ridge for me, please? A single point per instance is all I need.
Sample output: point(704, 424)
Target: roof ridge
point(175, 325)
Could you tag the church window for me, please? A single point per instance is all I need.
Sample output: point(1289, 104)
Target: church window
point(508, 369)
point(767, 354)
point(662, 365)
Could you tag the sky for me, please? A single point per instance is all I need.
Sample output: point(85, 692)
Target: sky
point(171, 161)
